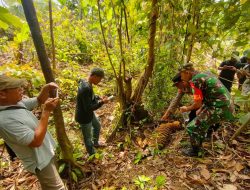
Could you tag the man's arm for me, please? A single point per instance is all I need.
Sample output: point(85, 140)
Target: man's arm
point(86, 98)
point(223, 66)
point(41, 130)
point(196, 105)
point(197, 96)
point(173, 105)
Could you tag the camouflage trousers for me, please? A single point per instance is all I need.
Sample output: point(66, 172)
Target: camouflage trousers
point(199, 126)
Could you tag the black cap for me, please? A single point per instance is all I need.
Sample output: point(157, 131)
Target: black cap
point(177, 78)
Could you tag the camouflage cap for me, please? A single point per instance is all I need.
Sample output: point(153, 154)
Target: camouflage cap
point(188, 66)
point(7, 82)
point(97, 71)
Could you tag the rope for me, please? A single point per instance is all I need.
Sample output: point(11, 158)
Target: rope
point(228, 80)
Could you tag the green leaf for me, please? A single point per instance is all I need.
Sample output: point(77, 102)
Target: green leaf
point(74, 176)
point(144, 178)
point(138, 158)
point(9, 19)
point(78, 155)
point(160, 181)
point(61, 167)
point(109, 14)
point(142, 185)
point(77, 171)
point(3, 25)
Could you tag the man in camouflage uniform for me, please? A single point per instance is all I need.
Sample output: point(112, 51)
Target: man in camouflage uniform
point(213, 101)
point(183, 88)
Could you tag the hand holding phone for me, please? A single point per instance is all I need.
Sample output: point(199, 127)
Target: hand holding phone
point(56, 93)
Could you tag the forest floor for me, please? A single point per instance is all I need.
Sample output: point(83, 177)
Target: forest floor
point(125, 164)
point(225, 166)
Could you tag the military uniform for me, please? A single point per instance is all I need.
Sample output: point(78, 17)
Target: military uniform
point(215, 106)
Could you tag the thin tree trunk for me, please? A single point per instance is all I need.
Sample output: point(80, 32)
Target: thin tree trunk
point(30, 14)
point(52, 36)
point(126, 20)
point(104, 39)
point(19, 55)
point(151, 56)
point(196, 17)
point(184, 51)
point(118, 77)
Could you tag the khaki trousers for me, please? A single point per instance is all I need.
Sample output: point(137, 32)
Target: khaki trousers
point(49, 177)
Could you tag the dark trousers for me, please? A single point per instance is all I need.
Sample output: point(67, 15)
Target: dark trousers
point(227, 84)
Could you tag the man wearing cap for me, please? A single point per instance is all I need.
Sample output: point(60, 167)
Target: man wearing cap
point(25, 134)
point(87, 103)
point(183, 88)
point(213, 101)
point(228, 70)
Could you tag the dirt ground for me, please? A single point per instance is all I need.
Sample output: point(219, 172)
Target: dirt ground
point(225, 165)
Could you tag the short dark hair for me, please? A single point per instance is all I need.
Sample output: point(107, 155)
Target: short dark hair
point(97, 72)
point(176, 78)
point(188, 66)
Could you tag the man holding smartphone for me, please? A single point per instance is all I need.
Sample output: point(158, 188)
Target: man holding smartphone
point(87, 103)
point(25, 134)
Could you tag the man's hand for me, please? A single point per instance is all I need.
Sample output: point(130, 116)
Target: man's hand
point(50, 104)
point(165, 116)
point(105, 100)
point(44, 93)
point(184, 109)
point(232, 68)
point(198, 111)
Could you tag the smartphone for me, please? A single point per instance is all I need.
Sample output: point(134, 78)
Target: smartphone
point(57, 95)
point(111, 97)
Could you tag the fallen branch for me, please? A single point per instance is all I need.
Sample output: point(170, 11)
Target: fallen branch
point(243, 126)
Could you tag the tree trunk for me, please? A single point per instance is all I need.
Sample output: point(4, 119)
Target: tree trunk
point(19, 55)
point(151, 56)
point(30, 14)
point(52, 36)
point(196, 18)
point(118, 76)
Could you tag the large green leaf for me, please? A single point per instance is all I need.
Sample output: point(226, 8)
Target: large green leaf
point(3, 25)
point(244, 118)
point(9, 19)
